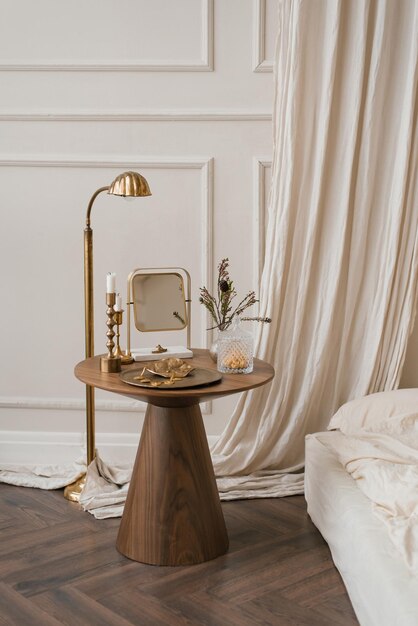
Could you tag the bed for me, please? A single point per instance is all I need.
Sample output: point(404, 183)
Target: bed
point(374, 545)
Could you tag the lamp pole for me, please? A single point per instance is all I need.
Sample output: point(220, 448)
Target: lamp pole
point(128, 184)
point(89, 325)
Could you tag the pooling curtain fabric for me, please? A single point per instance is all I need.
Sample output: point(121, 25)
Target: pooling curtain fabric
point(340, 271)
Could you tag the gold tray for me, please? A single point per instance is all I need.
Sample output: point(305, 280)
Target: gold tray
point(199, 377)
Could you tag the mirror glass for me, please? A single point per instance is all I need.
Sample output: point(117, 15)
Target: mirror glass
point(159, 302)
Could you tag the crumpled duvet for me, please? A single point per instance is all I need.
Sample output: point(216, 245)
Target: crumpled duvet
point(384, 463)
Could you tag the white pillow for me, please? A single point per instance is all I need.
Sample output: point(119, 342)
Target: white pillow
point(365, 413)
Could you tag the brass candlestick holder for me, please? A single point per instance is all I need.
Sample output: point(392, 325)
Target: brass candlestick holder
point(126, 359)
point(110, 363)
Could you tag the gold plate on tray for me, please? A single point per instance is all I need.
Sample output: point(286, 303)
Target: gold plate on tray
point(169, 368)
point(197, 378)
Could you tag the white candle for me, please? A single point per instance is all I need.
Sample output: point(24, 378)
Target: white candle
point(118, 304)
point(110, 282)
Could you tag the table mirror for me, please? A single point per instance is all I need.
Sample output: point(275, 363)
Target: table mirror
point(160, 301)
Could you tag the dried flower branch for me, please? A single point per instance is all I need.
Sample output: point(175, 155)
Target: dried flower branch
point(179, 317)
point(220, 308)
point(263, 320)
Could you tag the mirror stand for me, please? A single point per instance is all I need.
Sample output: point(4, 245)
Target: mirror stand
point(160, 302)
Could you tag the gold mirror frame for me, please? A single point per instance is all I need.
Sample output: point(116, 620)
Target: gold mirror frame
point(184, 274)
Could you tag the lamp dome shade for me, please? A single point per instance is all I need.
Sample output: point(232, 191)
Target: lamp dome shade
point(129, 184)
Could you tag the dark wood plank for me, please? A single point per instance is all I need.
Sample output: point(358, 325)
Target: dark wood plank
point(339, 609)
point(317, 589)
point(272, 608)
point(118, 577)
point(138, 607)
point(15, 610)
point(52, 568)
point(73, 608)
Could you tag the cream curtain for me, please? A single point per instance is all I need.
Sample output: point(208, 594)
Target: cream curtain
point(340, 271)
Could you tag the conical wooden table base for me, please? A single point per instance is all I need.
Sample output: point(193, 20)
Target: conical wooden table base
point(172, 514)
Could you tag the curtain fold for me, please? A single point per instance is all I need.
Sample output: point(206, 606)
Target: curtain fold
point(340, 272)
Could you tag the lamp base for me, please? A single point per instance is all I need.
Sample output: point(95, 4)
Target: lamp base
point(110, 365)
point(127, 359)
point(72, 492)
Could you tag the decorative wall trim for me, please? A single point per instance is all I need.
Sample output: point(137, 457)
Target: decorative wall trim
point(72, 438)
point(66, 447)
point(260, 211)
point(68, 404)
point(204, 64)
point(260, 63)
point(197, 163)
point(49, 448)
point(208, 36)
point(76, 404)
point(138, 116)
point(205, 165)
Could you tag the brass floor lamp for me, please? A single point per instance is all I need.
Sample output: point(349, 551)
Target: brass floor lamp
point(128, 184)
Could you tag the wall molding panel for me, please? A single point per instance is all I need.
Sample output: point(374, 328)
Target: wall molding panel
point(198, 163)
point(78, 404)
point(178, 115)
point(260, 165)
point(204, 64)
point(69, 404)
point(202, 164)
point(260, 62)
point(63, 448)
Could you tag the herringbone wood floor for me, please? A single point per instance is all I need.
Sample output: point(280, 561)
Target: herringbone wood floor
point(58, 565)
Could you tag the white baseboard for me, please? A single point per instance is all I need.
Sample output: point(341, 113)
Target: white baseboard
point(57, 448)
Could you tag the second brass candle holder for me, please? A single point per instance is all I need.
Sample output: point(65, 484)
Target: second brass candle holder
point(110, 363)
point(125, 358)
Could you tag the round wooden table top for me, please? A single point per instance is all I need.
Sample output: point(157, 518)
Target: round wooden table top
point(88, 371)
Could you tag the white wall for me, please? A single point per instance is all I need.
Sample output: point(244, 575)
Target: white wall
point(180, 91)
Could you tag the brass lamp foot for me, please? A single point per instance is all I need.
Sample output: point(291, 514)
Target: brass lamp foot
point(72, 492)
point(127, 359)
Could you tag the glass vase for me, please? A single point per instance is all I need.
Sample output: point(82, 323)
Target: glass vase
point(235, 350)
point(213, 350)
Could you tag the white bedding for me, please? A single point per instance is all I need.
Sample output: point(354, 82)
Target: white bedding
point(383, 461)
point(381, 586)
